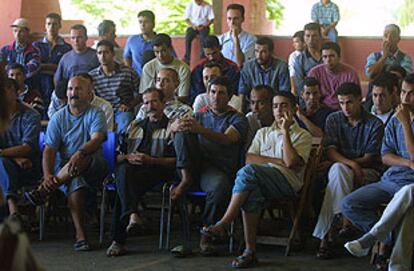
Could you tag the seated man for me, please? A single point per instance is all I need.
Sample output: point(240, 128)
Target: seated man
point(313, 115)
point(72, 157)
point(353, 139)
point(275, 167)
point(361, 206)
point(145, 158)
point(264, 69)
point(384, 92)
point(19, 148)
point(59, 100)
point(260, 114)
point(24, 92)
point(212, 48)
point(208, 148)
point(211, 70)
point(332, 73)
point(398, 219)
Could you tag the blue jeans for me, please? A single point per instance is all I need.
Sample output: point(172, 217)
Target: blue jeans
point(264, 182)
point(122, 119)
point(361, 206)
point(333, 35)
point(12, 177)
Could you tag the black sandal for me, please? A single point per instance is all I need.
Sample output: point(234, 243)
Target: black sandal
point(214, 234)
point(246, 260)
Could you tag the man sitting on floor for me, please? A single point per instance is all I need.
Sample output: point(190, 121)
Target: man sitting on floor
point(145, 158)
point(275, 167)
point(72, 157)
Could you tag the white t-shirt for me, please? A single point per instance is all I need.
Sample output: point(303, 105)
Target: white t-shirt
point(199, 14)
point(202, 100)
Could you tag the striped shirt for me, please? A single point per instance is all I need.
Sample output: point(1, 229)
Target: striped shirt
point(117, 88)
point(325, 14)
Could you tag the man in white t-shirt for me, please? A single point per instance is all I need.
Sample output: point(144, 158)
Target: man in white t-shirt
point(199, 16)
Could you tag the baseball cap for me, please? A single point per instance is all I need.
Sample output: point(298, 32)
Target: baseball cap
point(20, 22)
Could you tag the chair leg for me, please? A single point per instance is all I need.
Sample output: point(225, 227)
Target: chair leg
point(169, 219)
point(231, 241)
point(162, 216)
point(102, 216)
point(185, 222)
point(41, 222)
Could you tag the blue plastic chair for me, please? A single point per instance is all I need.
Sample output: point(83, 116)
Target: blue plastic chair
point(108, 149)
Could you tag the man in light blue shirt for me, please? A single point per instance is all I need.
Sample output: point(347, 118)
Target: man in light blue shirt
point(72, 158)
point(327, 15)
point(237, 45)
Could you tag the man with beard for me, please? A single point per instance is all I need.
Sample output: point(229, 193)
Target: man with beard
point(263, 70)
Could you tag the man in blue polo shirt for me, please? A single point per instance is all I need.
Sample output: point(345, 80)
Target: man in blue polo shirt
point(52, 47)
point(208, 147)
point(81, 59)
point(263, 70)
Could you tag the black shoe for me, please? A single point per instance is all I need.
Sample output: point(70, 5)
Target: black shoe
point(36, 196)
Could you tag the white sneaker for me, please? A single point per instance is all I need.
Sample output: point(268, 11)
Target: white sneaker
point(355, 248)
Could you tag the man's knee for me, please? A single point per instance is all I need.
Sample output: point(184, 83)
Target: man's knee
point(340, 170)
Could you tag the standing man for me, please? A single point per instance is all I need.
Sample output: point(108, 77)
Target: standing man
point(326, 14)
point(21, 50)
point(332, 73)
point(137, 45)
point(52, 47)
point(198, 16)
point(81, 59)
point(237, 45)
point(212, 52)
point(263, 70)
point(72, 157)
point(208, 148)
point(308, 59)
point(353, 141)
point(107, 31)
point(164, 58)
point(116, 83)
point(19, 148)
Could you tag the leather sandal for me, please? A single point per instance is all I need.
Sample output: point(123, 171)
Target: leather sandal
point(246, 260)
point(214, 233)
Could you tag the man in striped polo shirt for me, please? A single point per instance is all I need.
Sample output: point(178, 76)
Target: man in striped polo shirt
point(116, 83)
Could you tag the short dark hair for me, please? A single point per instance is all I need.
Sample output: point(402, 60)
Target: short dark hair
point(266, 41)
point(147, 56)
point(213, 64)
point(386, 80)
point(222, 81)
point(173, 71)
point(399, 69)
point(105, 26)
point(147, 14)
point(15, 66)
point(154, 89)
point(349, 88)
point(11, 83)
point(79, 27)
point(84, 75)
point(299, 34)
point(311, 82)
point(266, 88)
point(162, 39)
point(409, 79)
point(332, 46)
point(288, 95)
point(106, 43)
point(54, 15)
point(237, 7)
point(211, 41)
point(313, 27)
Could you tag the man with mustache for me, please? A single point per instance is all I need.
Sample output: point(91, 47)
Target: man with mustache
point(145, 158)
point(72, 159)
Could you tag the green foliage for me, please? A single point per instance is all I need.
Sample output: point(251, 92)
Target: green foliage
point(175, 24)
point(406, 13)
point(274, 11)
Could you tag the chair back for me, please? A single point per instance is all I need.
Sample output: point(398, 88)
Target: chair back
point(108, 148)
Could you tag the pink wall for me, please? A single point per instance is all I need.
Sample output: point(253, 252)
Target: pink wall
point(8, 15)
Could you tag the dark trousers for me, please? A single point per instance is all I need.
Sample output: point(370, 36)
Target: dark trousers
point(133, 181)
point(189, 36)
point(209, 178)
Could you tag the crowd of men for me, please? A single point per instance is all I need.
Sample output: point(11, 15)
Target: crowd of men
point(238, 126)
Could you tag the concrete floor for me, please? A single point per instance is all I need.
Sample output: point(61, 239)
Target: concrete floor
point(55, 253)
